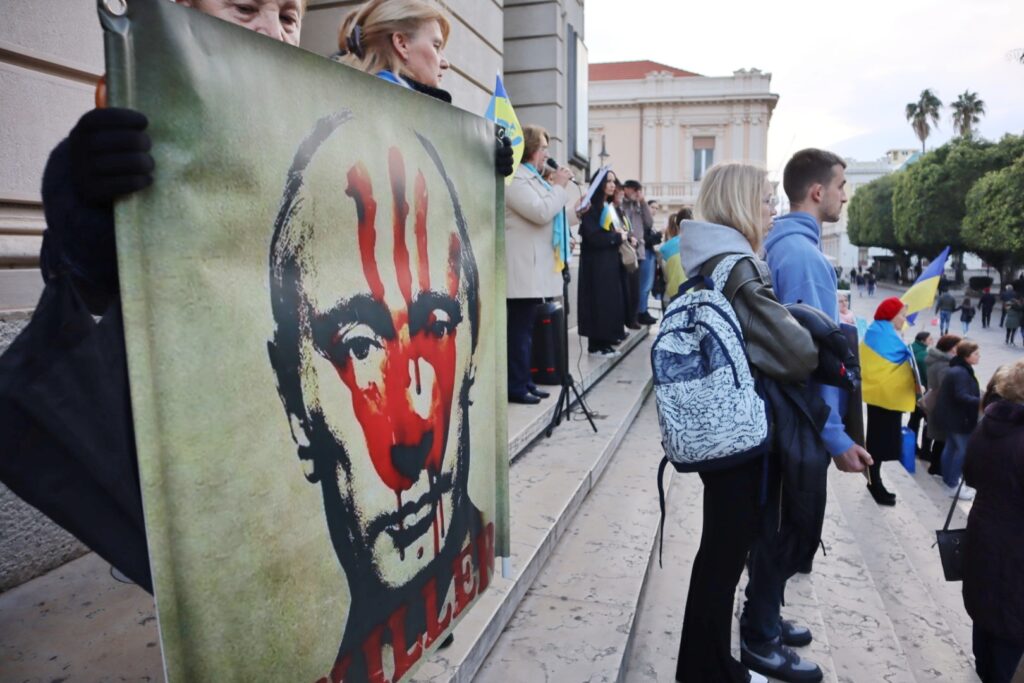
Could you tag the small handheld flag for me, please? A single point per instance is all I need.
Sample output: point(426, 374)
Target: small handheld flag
point(921, 294)
point(500, 111)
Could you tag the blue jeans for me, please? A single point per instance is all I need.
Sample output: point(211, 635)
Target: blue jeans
point(944, 317)
point(646, 280)
point(953, 458)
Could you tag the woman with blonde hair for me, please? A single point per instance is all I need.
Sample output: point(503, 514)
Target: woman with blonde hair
point(734, 211)
point(402, 42)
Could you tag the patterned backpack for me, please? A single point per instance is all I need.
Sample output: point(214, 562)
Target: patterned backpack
point(709, 409)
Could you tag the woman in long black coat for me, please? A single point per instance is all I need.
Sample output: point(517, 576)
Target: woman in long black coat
point(600, 294)
point(994, 550)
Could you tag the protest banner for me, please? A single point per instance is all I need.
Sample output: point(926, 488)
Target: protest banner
point(313, 295)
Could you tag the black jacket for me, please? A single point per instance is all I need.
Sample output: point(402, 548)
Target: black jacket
point(959, 398)
point(601, 294)
point(994, 549)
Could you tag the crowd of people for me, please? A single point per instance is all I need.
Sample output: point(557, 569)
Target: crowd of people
point(751, 518)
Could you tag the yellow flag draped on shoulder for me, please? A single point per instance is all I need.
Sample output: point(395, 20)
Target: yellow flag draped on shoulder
point(500, 111)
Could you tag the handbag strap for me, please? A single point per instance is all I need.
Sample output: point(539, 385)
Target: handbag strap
point(952, 506)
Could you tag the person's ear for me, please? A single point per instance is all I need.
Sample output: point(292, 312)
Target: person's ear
point(400, 43)
point(816, 193)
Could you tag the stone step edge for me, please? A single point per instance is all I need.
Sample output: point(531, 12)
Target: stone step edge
point(508, 601)
point(520, 442)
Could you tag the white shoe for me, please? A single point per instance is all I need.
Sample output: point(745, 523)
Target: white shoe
point(968, 492)
point(756, 677)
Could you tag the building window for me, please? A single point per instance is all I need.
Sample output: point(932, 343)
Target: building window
point(703, 156)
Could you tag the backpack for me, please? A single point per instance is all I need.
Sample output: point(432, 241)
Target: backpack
point(710, 411)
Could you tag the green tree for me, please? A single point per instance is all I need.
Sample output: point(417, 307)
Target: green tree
point(967, 111)
point(994, 224)
point(924, 114)
point(929, 198)
point(869, 215)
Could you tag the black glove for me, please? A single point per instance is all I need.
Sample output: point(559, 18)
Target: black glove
point(503, 157)
point(110, 155)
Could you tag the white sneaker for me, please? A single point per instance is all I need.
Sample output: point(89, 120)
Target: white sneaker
point(968, 492)
point(756, 677)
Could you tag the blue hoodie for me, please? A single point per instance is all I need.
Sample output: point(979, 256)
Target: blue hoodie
point(800, 272)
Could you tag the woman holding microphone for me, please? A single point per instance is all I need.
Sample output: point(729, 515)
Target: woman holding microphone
point(534, 213)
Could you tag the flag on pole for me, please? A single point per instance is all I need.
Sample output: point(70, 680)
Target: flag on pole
point(500, 111)
point(921, 294)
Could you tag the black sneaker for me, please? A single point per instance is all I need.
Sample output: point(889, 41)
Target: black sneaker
point(775, 660)
point(646, 319)
point(795, 635)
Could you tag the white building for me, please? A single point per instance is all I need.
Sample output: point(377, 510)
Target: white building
point(666, 126)
point(835, 242)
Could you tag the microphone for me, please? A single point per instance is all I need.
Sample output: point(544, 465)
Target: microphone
point(553, 165)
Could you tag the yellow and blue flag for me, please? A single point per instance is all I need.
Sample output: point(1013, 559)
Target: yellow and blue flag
point(500, 111)
point(672, 264)
point(921, 294)
point(888, 378)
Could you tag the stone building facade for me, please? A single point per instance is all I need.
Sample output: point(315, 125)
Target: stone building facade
point(51, 55)
point(666, 126)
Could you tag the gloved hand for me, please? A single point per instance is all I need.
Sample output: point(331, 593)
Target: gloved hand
point(503, 157)
point(109, 150)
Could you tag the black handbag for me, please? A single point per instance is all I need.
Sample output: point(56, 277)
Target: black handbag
point(951, 544)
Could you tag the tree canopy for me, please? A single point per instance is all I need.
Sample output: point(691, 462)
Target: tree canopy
point(994, 224)
point(869, 215)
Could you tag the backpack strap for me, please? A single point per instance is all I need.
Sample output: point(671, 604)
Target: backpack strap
point(661, 500)
point(721, 273)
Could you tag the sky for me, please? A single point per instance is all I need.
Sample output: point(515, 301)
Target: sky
point(844, 71)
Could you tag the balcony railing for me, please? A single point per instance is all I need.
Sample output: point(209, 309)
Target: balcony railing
point(684, 192)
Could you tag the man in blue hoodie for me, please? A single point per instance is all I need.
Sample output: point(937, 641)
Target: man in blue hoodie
point(814, 181)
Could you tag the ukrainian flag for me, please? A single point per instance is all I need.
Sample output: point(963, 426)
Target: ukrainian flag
point(672, 265)
point(500, 111)
point(888, 379)
point(921, 294)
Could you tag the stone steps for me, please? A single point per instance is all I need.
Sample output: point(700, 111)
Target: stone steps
point(549, 482)
point(576, 620)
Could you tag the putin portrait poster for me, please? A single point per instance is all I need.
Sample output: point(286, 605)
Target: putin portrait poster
point(313, 301)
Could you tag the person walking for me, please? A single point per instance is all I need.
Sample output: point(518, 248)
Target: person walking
point(922, 341)
point(937, 365)
point(957, 410)
point(814, 181)
point(967, 312)
point(735, 208)
point(889, 388)
point(986, 303)
point(533, 210)
point(600, 293)
point(1014, 316)
point(1006, 297)
point(860, 283)
point(871, 281)
point(993, 551)
point(944, 306)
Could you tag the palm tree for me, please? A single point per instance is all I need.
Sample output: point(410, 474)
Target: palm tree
point(921, 112)
point(967, 111)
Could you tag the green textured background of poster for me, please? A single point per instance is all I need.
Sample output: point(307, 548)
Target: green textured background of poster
point(250, 582)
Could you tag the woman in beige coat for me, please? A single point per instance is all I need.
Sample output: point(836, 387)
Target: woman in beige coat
point(533, 206)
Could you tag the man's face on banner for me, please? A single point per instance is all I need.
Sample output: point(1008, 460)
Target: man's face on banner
point(385, 348)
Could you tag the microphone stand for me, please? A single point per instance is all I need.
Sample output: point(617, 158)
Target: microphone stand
point(563, 407)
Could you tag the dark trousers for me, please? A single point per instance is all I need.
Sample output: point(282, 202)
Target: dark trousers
point(520, 343)
point(1002, 317)
point(762, 611)
point(996, 659)
point(1011, 335)
point(632, 291)
point(731, 517)
point(986, 317)
point(935, 456)
point(918, 423)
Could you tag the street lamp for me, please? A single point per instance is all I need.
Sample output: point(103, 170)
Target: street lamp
point(603, 154)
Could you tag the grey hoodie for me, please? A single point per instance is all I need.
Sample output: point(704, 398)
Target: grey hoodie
point(699, 242)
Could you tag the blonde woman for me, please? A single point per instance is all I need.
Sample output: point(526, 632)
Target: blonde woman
point(734, 211)
point(403, 42)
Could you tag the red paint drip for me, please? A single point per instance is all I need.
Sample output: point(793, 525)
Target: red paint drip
point(360, 189)
point(454, 258)
point(396, 168)
point(401, 523)
point(421, 231)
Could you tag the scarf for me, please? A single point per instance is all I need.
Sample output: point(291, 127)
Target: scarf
point(560, 233)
